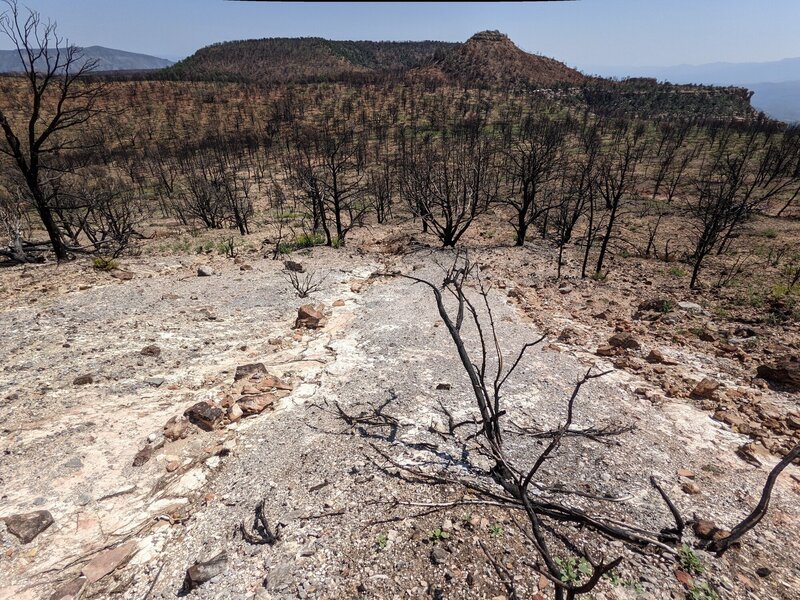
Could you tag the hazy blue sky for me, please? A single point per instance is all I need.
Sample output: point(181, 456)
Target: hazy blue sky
point(584, 32)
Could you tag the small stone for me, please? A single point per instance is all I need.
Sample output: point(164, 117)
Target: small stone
point(201, 572)
point(338, 303)
point(439, 555)
point(74, 463)
point(686, 473)
point(205, 271)
point(252, 405)
point(443, 386)
point(566, 288)
point(690, 307)
point(656, 356)
point(689, 487)
point(783, 371)
point(624, 340)
point(294, 266)
point(176, 428)
point(706, 388)
point(155, 381)
point(105, 562)
point(83, 380)
point(151, 350)
point(205, 415)
point(70, 590)
point(246, 371)
point(310, 317)
point(121, 275)
point(172, 466)
point(763, 571)
point(684, 578)
point(143, 456)
point(235, 413)
point(27, 526)
point(606, 351)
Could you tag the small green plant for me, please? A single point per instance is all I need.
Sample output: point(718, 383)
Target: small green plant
point(769, 233)
point(689, 561)
point(102, 263)
point(227, 247)
point(599, 276)
point(676, 271)
point(437, 535)
point(703, 591)
point(382, 540)
point(496, 530)
point(573, 569)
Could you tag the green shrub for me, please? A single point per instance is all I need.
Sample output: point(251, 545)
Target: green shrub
point(102, 263)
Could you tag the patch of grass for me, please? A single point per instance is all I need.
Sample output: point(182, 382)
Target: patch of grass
point(599, 276)
point(769, 233)
point(689, 561)
point(496, 530)
point(676, 271)
point(102, 263)
point(305, 240)
point(703, 591)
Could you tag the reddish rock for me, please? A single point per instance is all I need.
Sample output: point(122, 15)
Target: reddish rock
point(205, 415)
point(70, 590)
point(606, 351)
point(235, 413)
point(176, 428)
point(273, 383)
point(105, 562)
point(684, 578)
point(172, 466)
point(246, 371)
point(253, 405)
point(657, 357)
point(706, 388)
point(624, 340)
point(310, 317)
point(783, 371)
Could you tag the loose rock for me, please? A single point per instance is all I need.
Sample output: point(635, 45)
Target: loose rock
point(27, 526)
point(205, 415)
point(201, 572)
point(310, 317)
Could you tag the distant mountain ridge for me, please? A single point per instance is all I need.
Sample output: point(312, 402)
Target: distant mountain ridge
point(108, 59)
point(487, 59)
point(776, 83)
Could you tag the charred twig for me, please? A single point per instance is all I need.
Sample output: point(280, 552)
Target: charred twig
point(261, 534)
point(721, 546)
point(670, 534)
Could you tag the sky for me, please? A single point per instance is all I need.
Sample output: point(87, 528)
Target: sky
point(581, 33)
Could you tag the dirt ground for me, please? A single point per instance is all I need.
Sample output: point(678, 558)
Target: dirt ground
point(348, 524)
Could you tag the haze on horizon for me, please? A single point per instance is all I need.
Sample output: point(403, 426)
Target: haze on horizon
point(582, 33)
